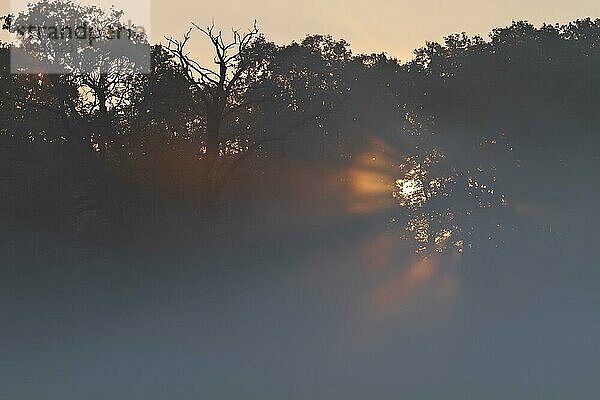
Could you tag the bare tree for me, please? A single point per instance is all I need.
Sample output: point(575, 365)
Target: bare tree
point(221, 90)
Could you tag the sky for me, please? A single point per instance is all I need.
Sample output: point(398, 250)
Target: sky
point(394, 26)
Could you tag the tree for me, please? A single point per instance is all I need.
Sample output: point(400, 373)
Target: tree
point(89, 88)
point(222, 92)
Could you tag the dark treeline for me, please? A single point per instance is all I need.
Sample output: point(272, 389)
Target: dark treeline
point(98, 154)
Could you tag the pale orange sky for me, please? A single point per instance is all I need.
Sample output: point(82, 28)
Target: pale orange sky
point(396, 27)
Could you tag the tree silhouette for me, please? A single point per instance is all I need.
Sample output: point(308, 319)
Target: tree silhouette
point(199, 136)
point(221, 92)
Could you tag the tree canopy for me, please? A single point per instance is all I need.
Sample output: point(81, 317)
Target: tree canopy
point(232, 132)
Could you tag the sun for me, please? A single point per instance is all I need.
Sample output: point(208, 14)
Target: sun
point(409, 190)
point(407, 187)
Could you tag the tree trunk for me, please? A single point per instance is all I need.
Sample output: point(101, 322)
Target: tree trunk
point(208, 186)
